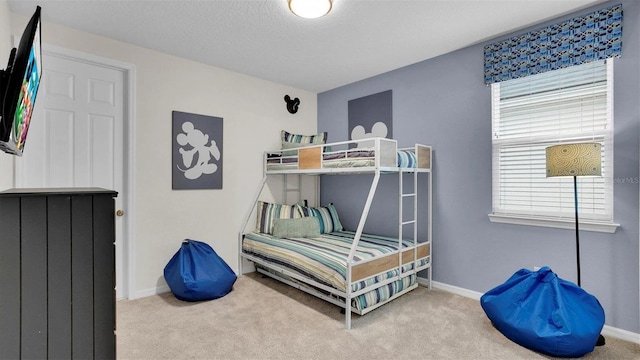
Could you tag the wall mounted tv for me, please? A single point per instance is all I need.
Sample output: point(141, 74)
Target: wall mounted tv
point(19, 84)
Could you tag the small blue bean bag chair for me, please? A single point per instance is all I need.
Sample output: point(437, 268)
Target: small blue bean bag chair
point(544, 313)
point(197, 273)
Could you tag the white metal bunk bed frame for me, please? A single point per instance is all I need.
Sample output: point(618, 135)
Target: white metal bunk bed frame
point(333, 295)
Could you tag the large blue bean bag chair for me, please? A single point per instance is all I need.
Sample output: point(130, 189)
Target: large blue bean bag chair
point(544, 313)
point(197, 273)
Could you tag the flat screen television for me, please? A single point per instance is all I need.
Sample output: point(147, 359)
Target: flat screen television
point(19, 84)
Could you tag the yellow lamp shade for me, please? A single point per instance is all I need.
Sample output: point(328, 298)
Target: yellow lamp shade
point(581, 159)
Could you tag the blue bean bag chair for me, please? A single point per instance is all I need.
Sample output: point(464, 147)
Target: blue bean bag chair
point(197, 273)
point(544, 313)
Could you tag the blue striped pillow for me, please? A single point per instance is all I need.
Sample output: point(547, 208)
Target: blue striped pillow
point(406, 159)
point(327, 217)
point(268, 212)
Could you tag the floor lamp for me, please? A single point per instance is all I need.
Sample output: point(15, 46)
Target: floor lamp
point(582, 159)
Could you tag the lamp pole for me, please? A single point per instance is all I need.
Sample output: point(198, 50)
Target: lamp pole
point(575, 196)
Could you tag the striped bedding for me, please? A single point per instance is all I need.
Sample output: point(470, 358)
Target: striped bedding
point(323, 259)
point(342, 159)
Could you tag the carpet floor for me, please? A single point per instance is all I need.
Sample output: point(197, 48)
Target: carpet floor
point(265, 319)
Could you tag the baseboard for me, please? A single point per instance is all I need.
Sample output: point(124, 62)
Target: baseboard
point(620, 334)
point(456, 290)
point(606, 330)
point(150, 292)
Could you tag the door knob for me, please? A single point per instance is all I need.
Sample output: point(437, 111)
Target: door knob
point(119, 212)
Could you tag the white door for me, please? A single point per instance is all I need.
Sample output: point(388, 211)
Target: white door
point(75, 136)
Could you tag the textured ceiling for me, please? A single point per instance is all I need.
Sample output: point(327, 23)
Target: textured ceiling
point(261, 38)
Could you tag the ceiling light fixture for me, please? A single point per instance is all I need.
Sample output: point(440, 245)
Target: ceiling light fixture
point(310, 9)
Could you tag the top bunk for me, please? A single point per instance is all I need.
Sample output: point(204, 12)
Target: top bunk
point(353, 156)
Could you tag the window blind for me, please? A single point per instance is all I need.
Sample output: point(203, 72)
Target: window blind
point(573, 104)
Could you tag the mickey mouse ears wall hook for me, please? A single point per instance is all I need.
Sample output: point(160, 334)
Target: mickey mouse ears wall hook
point(292, 105)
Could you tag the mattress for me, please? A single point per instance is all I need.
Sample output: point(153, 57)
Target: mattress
point(323, 259)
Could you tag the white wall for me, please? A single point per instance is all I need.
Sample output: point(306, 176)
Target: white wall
point(254, 113)
point(5, 32)
point(6, 161)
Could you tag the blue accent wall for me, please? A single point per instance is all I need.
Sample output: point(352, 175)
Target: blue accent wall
point(444, 102)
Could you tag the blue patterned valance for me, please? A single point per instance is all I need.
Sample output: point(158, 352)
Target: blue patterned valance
point(595, 36)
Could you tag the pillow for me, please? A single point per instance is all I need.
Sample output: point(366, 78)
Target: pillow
point(296, 228)
point(268, 212)
point(406, 159)
point(327, 217)
point(288, 137)
point(288, 145)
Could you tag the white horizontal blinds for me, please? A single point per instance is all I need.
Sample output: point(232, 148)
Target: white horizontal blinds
point(531, 113)
point(556, 103)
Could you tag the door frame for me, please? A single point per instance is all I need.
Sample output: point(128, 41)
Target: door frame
point(128, 152)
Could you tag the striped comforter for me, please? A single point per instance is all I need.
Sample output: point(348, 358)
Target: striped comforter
point(324, 260)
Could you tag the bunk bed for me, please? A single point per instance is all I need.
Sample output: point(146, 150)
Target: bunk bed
point(353, 270)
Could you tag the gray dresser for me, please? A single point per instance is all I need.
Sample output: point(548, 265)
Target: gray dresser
point(57, 273)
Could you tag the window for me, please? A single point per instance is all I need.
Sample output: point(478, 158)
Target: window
point(573, 104)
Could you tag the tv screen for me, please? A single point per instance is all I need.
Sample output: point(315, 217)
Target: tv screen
point(20, 83)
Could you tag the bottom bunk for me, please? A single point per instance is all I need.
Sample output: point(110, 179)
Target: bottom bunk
point(382, 267)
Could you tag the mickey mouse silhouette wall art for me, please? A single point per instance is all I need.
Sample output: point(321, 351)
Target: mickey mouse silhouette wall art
point(379, 129)
point(292, 104)
point(370, 116)
point(196, 144)
point(196, 151)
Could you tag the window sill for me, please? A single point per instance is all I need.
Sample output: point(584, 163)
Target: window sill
point(587, 225)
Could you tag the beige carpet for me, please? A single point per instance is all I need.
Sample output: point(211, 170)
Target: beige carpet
point(264, 319)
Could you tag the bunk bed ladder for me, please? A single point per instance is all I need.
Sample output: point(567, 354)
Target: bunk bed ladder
point(414, 220)
point(411, 221)
point(286, 189)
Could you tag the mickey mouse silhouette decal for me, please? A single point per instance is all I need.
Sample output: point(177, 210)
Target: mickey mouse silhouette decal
point(292, 105)
point(200, 147)
point(379, 129)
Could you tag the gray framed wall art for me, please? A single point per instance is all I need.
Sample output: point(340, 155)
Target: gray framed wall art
point(196, 151)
